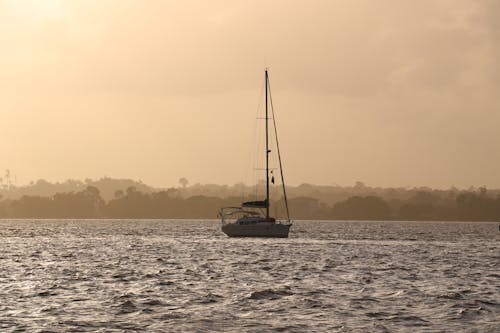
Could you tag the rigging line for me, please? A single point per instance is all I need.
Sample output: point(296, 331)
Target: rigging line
point(278, 148)
point(250, 176)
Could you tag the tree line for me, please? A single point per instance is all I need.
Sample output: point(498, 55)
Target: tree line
point(471, 205)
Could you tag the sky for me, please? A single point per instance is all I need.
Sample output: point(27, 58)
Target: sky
point(388, 92)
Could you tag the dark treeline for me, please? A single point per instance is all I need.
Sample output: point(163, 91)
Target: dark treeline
point(471, 205)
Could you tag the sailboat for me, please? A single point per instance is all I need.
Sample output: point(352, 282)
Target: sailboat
point(252, 218)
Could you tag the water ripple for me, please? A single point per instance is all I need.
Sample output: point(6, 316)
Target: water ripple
point(186, 276)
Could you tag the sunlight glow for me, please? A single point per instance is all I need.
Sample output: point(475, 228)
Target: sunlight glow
point(46, 9)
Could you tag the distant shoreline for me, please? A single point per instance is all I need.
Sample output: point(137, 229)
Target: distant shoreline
point(109, 198)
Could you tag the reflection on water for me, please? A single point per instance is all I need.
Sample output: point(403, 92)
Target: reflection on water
point(185, 276)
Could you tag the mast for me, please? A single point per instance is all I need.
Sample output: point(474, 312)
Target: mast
point(267, 153)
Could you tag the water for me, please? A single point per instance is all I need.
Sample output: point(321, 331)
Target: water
point(186, 276)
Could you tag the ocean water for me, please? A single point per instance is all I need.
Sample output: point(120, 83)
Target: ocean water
point(186, 276)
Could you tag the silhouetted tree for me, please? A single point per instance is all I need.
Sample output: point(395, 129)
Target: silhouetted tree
point(362, 208)
point(303, 207)
point(84, 204)
point(183, 181)
point(8, 182)
point(478, 206)
point(32, 207)
point(134, 204)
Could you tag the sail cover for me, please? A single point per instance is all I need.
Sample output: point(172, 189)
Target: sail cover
point(255, 204)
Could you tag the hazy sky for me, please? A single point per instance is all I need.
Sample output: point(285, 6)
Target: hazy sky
point(391, 93)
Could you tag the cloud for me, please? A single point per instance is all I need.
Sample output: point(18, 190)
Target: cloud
point(326, 47)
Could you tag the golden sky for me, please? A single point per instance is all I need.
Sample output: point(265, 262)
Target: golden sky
point(388, 92)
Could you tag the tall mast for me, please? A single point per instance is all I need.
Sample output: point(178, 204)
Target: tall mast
point(267, 153)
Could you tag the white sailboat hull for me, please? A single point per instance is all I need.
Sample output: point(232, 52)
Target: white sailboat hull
point(261, 229)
